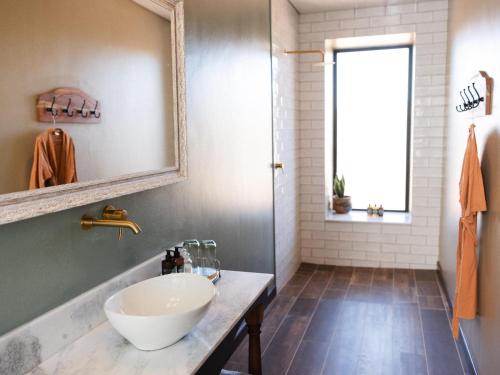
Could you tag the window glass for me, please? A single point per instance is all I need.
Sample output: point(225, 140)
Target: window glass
point(371, 125)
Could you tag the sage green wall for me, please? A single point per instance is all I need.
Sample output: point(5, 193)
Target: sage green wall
point(228, 196)
point(474, 34)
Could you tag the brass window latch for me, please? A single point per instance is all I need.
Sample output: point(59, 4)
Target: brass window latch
point(279, 166)
point(111, 217)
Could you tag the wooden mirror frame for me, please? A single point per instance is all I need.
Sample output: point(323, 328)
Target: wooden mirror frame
point(31, 203)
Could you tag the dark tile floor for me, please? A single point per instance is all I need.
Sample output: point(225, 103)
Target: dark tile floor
point(345, 320)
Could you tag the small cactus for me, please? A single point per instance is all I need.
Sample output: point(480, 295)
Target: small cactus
point(339, 186)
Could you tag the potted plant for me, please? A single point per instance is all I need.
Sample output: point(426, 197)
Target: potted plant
point(341, 203)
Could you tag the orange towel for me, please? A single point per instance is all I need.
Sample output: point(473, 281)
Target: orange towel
point(53, 160)
point(472, 201)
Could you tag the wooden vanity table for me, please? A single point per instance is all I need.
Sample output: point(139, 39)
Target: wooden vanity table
point(250, 323)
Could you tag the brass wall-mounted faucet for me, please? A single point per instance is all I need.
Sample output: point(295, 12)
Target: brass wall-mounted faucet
point(111, 217)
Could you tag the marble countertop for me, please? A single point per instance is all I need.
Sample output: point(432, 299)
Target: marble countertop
point(104, 351)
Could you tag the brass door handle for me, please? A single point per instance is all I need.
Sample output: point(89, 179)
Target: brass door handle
point(278, 166)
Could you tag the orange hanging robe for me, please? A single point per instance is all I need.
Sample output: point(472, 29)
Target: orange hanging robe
point(472, 201)
point(53, 160)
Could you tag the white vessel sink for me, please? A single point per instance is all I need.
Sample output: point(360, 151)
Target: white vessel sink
point(158, 312)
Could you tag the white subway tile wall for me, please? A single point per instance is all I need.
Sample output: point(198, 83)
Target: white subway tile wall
point(285, 26)
point(367, 244)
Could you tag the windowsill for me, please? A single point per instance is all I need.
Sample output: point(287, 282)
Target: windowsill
point(362, 217)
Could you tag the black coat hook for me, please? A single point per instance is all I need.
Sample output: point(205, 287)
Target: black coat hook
point(52, 109)
point(475, 102)
point(479, 97)
point(469, 102)
point(470, 105)
point(83, 111)
point(94, 112)
point(67, 111)
point(465, 103)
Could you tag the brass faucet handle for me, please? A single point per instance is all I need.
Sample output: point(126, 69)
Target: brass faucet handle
point(111, 213)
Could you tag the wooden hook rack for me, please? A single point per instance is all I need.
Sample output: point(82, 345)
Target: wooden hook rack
point(477, 96)
point(68, 105)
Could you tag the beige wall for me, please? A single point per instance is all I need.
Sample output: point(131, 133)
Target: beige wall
point(474, 38)
point(114, 50)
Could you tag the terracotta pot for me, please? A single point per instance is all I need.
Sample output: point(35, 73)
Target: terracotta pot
point(342, 205)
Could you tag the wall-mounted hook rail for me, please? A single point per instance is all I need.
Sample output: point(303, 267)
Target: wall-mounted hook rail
point(474, 98)
point(69, 105)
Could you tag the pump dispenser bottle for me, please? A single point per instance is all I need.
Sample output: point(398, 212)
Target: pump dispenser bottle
point(168, 264)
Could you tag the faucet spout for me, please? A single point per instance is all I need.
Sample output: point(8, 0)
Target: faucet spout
point(89, 222)
point(134, 227)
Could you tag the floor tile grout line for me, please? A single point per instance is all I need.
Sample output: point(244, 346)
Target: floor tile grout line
point(364, 320)
point(393, 304)
point(342, 306)
point(330, 343)
point(285, 315)
point(309, 322)
point(421, 322)
point(361, 340)
point(441, 292)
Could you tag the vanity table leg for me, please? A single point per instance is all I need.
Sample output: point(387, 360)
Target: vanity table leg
point(254, 320)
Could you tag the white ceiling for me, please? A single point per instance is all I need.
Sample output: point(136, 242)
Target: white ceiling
point(314, 6)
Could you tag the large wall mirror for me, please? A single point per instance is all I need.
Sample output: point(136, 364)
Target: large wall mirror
point(126, 54)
